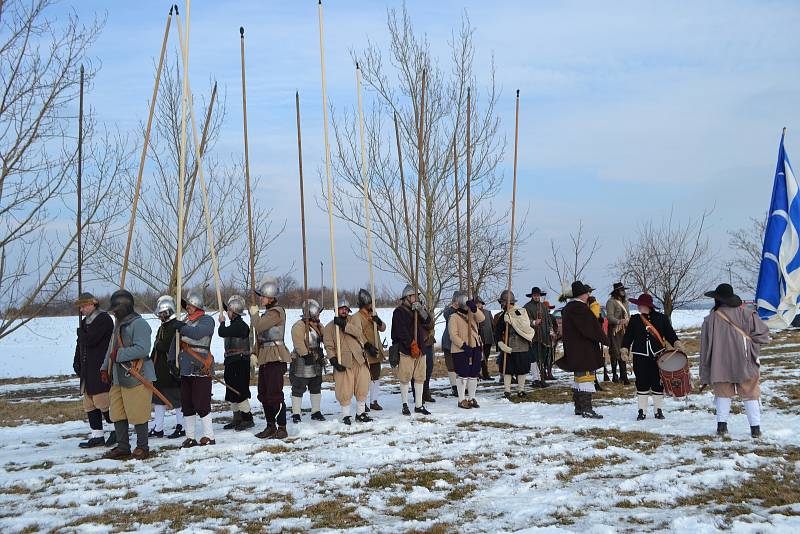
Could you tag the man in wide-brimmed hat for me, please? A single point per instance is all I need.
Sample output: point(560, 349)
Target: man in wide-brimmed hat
point(94, 335)
point(618, 313)
point(730, 344)
point(542, 344)
point(646, 337)
point(583, 339)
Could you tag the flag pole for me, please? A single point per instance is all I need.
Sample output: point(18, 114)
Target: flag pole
point(513, 210)
point(144, 150)
point(328, 174)
point(247, 177)
point(368, 222)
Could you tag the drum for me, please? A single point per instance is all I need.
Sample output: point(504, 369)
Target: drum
point(673, 365)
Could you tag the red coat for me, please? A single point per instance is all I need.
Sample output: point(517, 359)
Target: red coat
point(583, 338)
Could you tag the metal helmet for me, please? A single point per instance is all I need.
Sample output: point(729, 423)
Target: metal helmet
point(195, 298)
point(121, 303)
point(507, 296)
point(344, 303)
point(364, 298)
point(460, 299)
point(237, 304)
point(268, 287)
point(311, 309)
point(408, 291)
point(165, 304)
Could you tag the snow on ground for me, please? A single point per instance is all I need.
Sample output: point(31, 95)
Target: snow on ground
point(527, 467)
point(46, 346)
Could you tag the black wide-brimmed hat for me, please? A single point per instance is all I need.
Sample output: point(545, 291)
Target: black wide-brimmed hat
point(536, 291)
point(579, 288)
point(618, 286)
point(724, 293)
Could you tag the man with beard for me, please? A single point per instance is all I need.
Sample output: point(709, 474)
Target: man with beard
point(130, 399)
point(168, 377)
point(370, 325)
point(349, 363)
point(196, 365)
point(411, 346)
point(305, 371)
point(543, 326)
point(515, 350)
point(618, 313)
point(94, 335)
point(237, 363)
point(583, 339)
point(272, 357)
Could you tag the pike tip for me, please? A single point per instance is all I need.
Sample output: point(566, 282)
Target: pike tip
point(357, 67)
point(517, 93)
point(241, 31)
point(171, 8)
point(176, 9)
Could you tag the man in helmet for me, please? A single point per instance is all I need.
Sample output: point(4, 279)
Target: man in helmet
point(515, 360)
point(196, 364)
point(94, 334)
point(446, 343)
point(350, 370)
point(272, 357)
point(237, 362)
point(130, 399)
point(411, 344)
point(305, 371)
point(168, 378)
point(369, 326)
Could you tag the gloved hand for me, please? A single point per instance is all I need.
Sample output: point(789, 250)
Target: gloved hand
point(678, 345)
point(179, 325)
point(416, 306)
point(507, 317)
point(174, 372)
point(371, 349)
point(308, 359)
point(378, 321)
point(341, 322)
point(104, 378)
point(221, 318)
point(253, 311)
point(336, 366)
point(254, 361)
point(472, 306)
point(503, 347)
point(465, 347)
point(416, 352)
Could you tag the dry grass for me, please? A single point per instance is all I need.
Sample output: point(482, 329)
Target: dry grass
point(19, 412)
point(578, 466)
point(633, 440)
point(419, 511)
point(408, 478)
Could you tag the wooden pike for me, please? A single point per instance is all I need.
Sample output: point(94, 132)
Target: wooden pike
point(302, 214)
point(513, 222)
point(146, 143)
point(421, 171)
point(247, 177)
point(78, 230)
point(182, 169)
point(403, 189)
point(458, 214)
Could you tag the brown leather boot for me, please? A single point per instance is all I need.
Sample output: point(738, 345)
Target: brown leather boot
point(268, 432)
point(140, 454)
point(117, 453)
point(281, 433)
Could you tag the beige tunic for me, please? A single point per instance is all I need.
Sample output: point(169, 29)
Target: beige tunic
point(362, 320)
point(461, 332)
point(273, 352)
point(351, 352)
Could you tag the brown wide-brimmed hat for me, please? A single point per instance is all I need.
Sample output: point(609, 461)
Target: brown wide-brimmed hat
point(645, 299)
point(724, 293)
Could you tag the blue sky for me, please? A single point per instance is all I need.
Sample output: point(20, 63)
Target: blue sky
point(629, 109)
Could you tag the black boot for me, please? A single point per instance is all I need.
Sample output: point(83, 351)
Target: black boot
point(614, 376)
point(755, 431)
point(237, 418)
point(363, 418)
point(586, 404)
point(317, 416)
point(455, 391)
point(722, 429)
point(575, 400)
point(91, 443)
point(659, 414)
point(179, 432)
point(623, 373)
point(406, 411)
point(605, 375)
point(296, 418)
point(597, 385)
point(112, 439)
point(155, 433)
point(422, 410)
point(246, 422)
point(641, 416)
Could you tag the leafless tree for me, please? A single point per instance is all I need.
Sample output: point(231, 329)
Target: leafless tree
point(570, 266)
point(394, 85)
point(39, 83)
point(153, 253)
point(746, 244)
point(670, 259)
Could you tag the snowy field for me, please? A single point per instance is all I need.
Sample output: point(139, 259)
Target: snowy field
point(46, 346)
point(527, 466)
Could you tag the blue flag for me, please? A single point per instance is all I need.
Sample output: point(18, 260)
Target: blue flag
point(778, 287)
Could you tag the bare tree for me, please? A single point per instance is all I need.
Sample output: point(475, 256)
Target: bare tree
point(747, 244)
point(39, 83)
point(569, 267)
point(154, 250)
point(395, 85)
point(672, 260)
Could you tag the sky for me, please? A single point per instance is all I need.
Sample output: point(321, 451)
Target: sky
point(629, 109)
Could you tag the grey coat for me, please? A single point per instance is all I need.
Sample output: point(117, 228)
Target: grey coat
point(725, 355)
point(135, 334)
point(487, 328)
point(202, 329)
point(448, 311)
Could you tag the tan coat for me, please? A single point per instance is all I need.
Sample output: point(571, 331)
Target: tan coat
point(351, 348)
point(299, 339)
point(461, 331)
point(270, 353)
point(362, 320)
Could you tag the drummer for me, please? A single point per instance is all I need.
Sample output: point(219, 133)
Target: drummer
point(646, 337)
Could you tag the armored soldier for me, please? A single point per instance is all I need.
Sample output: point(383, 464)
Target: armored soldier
point(272, 357)
point(237, 363)
point(305, 371)
point(411, 346)
point(168, 378)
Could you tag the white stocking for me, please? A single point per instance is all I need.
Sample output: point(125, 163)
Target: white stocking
point(418, 386)
point(189, 422)
point(404, 393)
point(297, 403)
point(658, 401)
point(179, 417)
point(158, 417)
point(753, 410)
point(461, 386)
point(315, 402)
point(521, 382)
point(472, 387)
point(244, 406)
point(208, 428)
point(453, 378)
point(507, 383)
point(361, 407)
point(642, 400)
point(723, 408)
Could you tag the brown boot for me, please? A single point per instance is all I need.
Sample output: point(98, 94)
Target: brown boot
point(140, 454)
point(268, 432)
point(281, 433)
point(117, 453)
point(207, 441)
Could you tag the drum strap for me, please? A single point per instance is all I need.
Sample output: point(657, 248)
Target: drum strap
point(652, 329)
point(727, 320)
